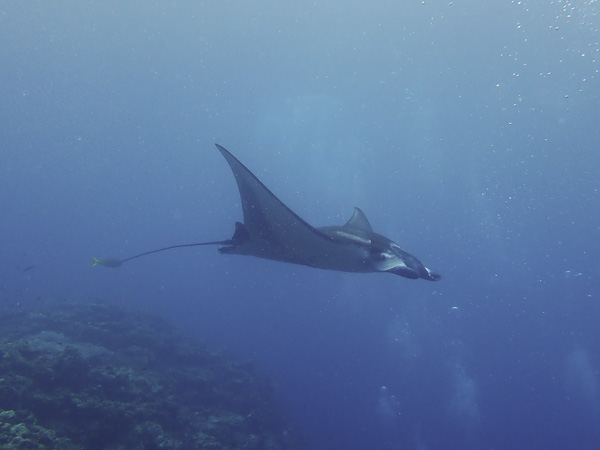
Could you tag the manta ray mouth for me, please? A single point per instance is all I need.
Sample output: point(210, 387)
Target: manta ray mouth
point(392, 264)
point(404, 271)
point(432, 275)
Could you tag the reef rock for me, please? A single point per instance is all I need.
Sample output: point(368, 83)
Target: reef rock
point(99, 377)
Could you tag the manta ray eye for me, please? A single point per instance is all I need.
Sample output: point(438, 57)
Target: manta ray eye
point(381, 257)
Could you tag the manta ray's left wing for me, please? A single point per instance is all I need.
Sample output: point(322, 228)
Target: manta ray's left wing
point(275, 231)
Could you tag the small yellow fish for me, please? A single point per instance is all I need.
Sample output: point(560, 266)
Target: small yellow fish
point(108, 262)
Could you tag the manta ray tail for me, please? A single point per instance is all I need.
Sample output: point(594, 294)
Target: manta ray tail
point(113, 263)
point(226, 242)
point(240, 236)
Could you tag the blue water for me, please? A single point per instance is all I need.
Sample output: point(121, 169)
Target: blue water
point(467, 131)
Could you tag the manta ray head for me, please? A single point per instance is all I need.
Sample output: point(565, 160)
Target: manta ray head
point(393, 259)
point(367, 251)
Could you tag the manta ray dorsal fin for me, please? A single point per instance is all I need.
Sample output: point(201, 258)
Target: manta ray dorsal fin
point(359, 221)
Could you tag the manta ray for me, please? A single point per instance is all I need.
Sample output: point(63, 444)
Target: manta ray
point(273, 231)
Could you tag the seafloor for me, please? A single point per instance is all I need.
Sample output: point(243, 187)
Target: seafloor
point(95, 376)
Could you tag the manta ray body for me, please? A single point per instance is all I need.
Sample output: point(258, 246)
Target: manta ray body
point(273, 231)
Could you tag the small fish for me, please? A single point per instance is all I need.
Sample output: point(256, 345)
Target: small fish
point(107, 262)
point(27, 268)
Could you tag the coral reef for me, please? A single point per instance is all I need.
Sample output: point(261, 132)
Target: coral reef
point(100, 377)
